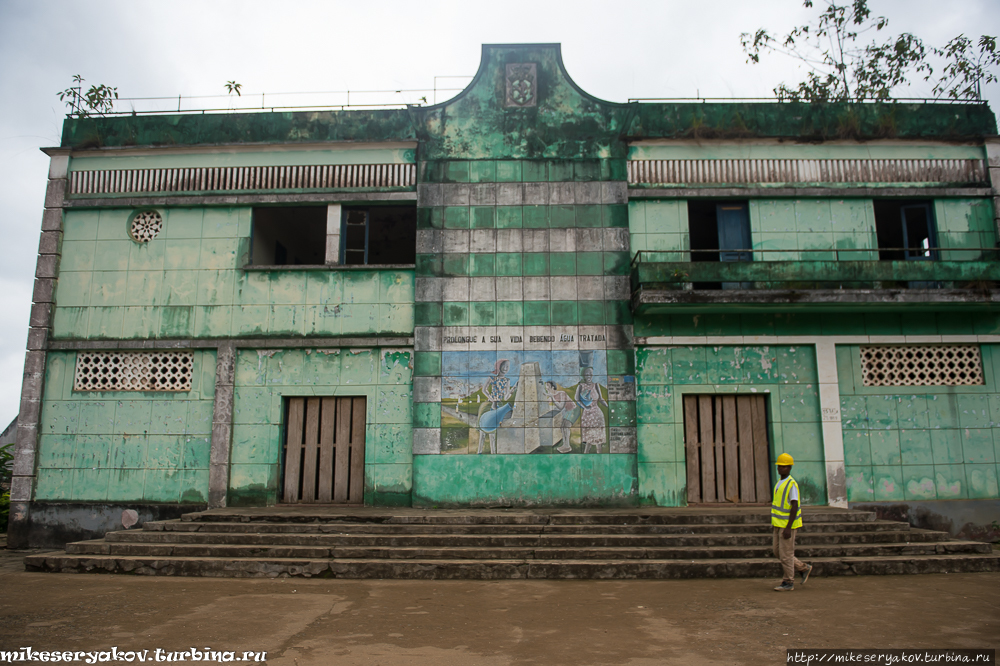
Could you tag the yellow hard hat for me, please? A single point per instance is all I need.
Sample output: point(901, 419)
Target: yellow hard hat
point(785, 459)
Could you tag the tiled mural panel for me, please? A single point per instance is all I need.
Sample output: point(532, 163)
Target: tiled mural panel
point(124, 445)
point(189, 282)
point(785, 374)
point(266, 377)
point(919, 442)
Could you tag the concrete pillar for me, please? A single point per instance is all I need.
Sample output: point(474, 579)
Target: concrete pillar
point(222, 426)
point(993, 164)
point(833, 435)
point(333, 214)
point(39, 325)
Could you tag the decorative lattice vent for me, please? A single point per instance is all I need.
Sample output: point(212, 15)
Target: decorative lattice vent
point(145, 226)
point(922, 365)
point(133, 371)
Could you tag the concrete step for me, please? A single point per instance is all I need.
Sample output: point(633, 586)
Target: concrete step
point(502, 569)
point(299, 514)
point(343, 542)
point(517, 540)
point(101, 547)
point(373, 528)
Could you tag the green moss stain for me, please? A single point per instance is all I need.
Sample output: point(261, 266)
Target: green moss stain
point(835, 120)
point(285, 127)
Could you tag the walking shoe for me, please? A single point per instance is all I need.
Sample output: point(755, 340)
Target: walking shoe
point(784, 587)
point(805, 574)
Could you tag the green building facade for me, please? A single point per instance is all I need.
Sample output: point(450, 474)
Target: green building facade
point(523, 296)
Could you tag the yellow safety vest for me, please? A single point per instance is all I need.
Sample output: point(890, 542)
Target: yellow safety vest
point(781, 507)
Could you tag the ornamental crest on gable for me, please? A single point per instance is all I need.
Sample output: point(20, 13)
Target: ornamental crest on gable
point(522, 85)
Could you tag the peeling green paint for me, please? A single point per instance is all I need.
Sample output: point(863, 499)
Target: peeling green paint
point(785, 374)
point(125, 446)
point(530, 480)
point(265, 378)
point(921, 442)
point(188, 282)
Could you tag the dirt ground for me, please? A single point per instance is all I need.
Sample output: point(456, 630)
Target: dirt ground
point(440, 623)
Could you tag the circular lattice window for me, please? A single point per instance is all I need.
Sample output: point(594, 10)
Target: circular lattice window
point(145, 226)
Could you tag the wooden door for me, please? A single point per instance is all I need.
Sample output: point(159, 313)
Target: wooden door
point(725, 440)
point(325, 450)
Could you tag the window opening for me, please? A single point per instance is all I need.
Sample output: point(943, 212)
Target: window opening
point(379, 235)
point(719, 231)
point(355, 237)
point(905, 231)
point(289, 235)
point(133, 371)
point(922, 365)
point(733, 221)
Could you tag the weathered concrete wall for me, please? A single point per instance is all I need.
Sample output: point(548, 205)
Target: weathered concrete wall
point(978, 520)
point(786, 374)
point(124, 446)
point(230, 157)
point(54, 524)
point(266, 377)
point(187, 282)
point(812, 229)
point(919, 442)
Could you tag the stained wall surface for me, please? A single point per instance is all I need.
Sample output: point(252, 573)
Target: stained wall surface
point(812, 229)
point(785, 374)
point(265, 378)
point(124, 445)
point(919, 442)
point(188, 282)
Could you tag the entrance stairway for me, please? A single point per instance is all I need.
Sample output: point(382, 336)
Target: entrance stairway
point(512, 543)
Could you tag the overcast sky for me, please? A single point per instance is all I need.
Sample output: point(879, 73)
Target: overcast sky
point(613, 49)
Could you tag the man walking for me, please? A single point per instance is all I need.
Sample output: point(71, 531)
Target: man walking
point(785, 519)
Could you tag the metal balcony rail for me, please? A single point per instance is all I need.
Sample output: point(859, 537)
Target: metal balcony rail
point(240, 104)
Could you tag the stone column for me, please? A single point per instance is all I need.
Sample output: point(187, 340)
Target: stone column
point(40, 322)
point(222, 426)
